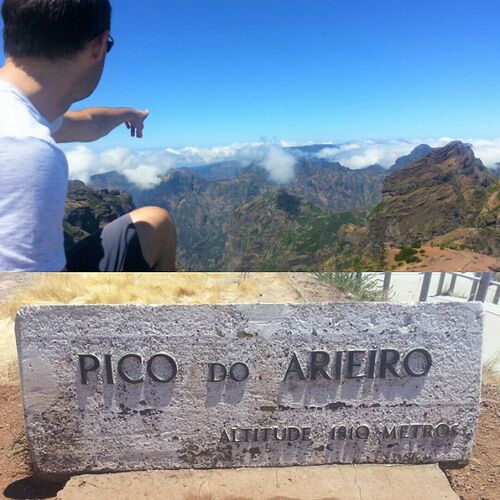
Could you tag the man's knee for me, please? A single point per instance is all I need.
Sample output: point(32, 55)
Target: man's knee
point(157, 234)
point(155, 217)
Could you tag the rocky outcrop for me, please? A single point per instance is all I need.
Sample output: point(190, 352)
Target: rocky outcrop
point(417, 154)
point(486, 236)
point(88, 210)
point(334, 187)
point(444, 191)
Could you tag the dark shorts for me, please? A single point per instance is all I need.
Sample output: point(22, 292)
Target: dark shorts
point(116, 248)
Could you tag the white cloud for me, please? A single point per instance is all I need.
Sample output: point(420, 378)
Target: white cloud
point(280, 165)
point(487, 150)
point(139, 167)
point(146, 168)
point(203, 156)
point(82, 162)
point(385, 153)
point(366, 153)
point(144, 176)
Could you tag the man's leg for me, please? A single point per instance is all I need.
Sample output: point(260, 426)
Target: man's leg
point(141, 241)
point(157, 236)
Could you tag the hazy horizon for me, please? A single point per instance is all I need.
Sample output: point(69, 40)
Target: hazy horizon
point(146, 167)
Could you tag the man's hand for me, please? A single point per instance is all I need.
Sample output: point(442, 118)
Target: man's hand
point(92, 124)
point(136, 123)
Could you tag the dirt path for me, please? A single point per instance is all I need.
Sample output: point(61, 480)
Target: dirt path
point(480, 480)
point(438, 259)
point(16, 480)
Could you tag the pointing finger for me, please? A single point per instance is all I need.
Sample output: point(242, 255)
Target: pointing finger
point(140, 130)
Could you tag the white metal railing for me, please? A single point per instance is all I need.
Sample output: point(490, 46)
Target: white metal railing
point(480, 284)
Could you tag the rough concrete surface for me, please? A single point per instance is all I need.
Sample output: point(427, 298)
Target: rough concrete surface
point(269, 419)
point(344, 482)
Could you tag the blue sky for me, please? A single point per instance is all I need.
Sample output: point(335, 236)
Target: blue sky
point(216, 72)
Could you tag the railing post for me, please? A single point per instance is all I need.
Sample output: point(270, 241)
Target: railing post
point(426, 284)
point(473, 289)
point(441, 284)
point(496, 299)
point(451, 290)
point(387, 281)
point(484, 284)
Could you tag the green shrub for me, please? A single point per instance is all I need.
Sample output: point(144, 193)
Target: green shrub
point(413, 260)
point(360, 286)
point(405, 254)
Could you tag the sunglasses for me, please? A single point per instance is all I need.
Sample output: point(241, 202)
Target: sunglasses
point(110, 44)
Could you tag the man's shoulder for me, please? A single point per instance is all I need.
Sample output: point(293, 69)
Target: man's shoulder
point(18, 120)
point(29, 145)
point(30, 151)
point(31, 163)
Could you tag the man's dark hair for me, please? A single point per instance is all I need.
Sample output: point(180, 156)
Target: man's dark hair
point(52, 29)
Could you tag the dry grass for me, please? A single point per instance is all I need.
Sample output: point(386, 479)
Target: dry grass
point(181, 288)
point(20, 449)
point(491, 373)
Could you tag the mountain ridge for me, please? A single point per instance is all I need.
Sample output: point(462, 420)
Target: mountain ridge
point(432, 194)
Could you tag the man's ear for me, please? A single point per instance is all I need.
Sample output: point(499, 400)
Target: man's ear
point(96, 48)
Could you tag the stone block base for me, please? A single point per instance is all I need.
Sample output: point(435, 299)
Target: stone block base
point(339, 482)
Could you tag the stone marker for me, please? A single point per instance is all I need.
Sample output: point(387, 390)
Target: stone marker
point(121, 388)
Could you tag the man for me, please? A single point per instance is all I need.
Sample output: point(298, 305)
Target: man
point(55, 55)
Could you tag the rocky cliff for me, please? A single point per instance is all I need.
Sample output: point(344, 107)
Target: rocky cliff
point(88, 210)
point(443, 192)
point(417, 154)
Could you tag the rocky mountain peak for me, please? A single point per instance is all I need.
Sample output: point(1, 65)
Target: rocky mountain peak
point(440, 193)
point(443, 165)
point(418, 153)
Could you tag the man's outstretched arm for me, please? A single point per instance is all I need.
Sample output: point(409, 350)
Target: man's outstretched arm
point(91, 124)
